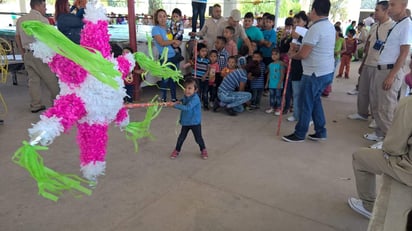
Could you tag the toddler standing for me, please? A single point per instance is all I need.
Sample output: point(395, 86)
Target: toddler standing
point(199, 72)
point(190, 118)
point(346, 57)
point(274, 82)
point(257, 83)
point(213, 70)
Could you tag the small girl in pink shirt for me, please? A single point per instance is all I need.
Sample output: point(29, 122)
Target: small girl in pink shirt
point(213, 69)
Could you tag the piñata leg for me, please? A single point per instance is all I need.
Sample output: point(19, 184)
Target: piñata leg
point(92, 141)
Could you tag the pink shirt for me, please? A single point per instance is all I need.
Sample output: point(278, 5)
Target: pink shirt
point(213, 69)
point(231, 48)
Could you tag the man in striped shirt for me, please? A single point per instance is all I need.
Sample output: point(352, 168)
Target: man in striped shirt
point(229, 97)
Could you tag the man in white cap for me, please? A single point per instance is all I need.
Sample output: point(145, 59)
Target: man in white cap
point(240, 33)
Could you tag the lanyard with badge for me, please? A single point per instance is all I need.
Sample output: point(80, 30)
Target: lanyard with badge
point(380, 45)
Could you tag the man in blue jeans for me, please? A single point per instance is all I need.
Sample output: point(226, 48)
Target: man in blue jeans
point(198, 11)
point(317, 58)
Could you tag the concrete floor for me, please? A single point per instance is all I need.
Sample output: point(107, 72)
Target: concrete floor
point(252, 181)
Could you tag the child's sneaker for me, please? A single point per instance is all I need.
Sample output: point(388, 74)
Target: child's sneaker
point(270, 110)
point(249, 108)
point(277, 112)
point(174, 154)
point(203, 154)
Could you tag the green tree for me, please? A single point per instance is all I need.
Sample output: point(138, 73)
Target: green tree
point(154, 5)
point(368, 4)
point(261, 6)
point(338, 10)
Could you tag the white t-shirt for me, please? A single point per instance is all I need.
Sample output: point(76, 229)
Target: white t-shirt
point(321, 37)
point(401, 34)
point(368, 21)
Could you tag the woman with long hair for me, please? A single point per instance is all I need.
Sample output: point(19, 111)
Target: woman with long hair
point(69, 24)
point(159, 34)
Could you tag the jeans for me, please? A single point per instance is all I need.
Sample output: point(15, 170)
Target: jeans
point(310, 104)
point(212, 93)
point(288, 95)
point(203, 91)
point(129, 92)
point(234, 99)
point(168, 84)
point(198, 10)
point(256, 96)
point(296, 93)
point(197, 133)
point(275, 98)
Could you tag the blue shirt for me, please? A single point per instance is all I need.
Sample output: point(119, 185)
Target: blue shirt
point(259, 81)
point(254, 34)
point(233, 80)
point(274, 75)
point(158, 30)
point(191, 113)
point(269, 35)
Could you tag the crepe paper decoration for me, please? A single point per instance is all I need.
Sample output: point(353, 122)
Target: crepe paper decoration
point(158, 68)
point(138, 130)
point(91, 96)
point(96, 64)
point(50, 183)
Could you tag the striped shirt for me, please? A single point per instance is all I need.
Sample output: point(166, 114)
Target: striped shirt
point(201, 67)
point(233, 80)
point(222, 57)
point(259, 81)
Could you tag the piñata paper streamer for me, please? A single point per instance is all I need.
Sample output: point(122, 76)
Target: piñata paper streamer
point(139, 130)
point(91, 97)
point(51, 184)
point(163, 70)
point(96, 64)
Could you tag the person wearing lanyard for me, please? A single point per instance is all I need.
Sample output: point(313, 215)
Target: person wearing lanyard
point(317, 55)
point(386, 84)
point(369, 65)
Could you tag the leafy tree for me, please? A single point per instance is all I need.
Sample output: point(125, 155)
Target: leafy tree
point(368, 4)
point(154, 5)
point(259, 7)
point(338, 10)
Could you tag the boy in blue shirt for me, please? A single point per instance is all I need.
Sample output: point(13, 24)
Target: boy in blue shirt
point(269, 38)
point(190, 118)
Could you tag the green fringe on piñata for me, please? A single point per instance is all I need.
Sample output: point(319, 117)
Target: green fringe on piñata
point(51, 184)
point(138, 130)
point(96, 65)
point(164, 70)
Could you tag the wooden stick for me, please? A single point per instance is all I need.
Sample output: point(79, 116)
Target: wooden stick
point(142, 105)
point(283, 97)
